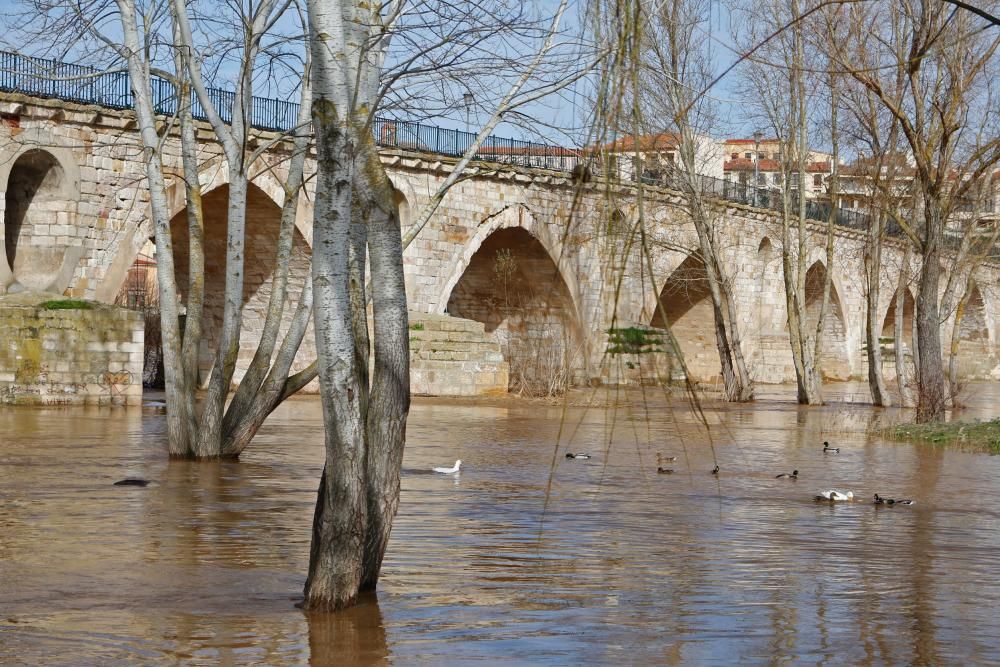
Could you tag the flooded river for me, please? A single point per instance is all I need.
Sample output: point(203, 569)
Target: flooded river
point(526, 557)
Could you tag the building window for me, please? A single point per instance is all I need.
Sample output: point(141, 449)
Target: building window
point(748, 155)
point(776, 178)
point(817, 180)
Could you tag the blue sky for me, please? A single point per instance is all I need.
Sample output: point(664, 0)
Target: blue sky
point(566, 109)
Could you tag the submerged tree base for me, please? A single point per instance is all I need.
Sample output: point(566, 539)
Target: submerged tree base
point(975, 436)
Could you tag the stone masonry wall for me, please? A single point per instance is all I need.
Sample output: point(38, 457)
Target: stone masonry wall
point(104, 200)
point(67, 356)
point(450, 356)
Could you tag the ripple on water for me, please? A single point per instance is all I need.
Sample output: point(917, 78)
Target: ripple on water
point(524, 557)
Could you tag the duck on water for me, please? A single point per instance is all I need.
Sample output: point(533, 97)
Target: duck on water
point(453, 469)
point(879, 500)
point(835, 496)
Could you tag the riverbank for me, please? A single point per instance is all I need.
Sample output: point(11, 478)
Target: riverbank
point(980, 436)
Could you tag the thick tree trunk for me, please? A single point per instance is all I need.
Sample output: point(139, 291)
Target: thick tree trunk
point(931, 397)
point(390, 397)
point(195, 301)
point(340, 524)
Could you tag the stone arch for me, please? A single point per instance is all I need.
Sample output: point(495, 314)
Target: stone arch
point(513, 286)
point(516, 215)
point(42, 241)
point(212, 175)
point(973, 327)
point(685, 306)
point(771, 359)
point(262, 226)
point(888, 329)
point(976, 355)
point(405, 199)
point(770, 289)
point(834, 362)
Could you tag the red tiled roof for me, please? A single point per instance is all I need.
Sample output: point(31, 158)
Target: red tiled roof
point(647, 142)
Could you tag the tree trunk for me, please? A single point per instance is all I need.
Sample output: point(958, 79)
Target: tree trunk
point(176, 390)
point(902, 371)
point(247, 419)
point(245, 401)
point(956, 338)
point(931, 398)
point(209, 442)
point(736, 380)
point(340, 523)
point(873, 266)
point(195, 298)
point(390, 398)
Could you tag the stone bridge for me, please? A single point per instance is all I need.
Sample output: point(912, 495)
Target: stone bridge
point(546, 265)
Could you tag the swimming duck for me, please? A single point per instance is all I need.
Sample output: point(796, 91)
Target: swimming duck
point(835, 496)
point(571, 455)
point(827, 449)
point(453, 469)
point(715, 470)
point(660, 458)
point(794, 475)
point(132, 481)
point(665, 471)
point(879, 500)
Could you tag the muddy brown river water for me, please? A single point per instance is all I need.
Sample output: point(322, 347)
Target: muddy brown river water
point(618, 565)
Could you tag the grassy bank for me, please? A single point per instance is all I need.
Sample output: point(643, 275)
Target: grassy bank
point(976, 436)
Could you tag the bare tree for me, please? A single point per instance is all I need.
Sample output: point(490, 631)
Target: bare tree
point(946, 61)
point(365, 417)
point(786, 98)
point(674, 67)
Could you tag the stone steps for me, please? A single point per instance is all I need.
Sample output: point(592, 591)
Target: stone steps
point(450, 356)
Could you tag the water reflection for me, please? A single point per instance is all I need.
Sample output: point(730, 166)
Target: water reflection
point(353, 637)
point(524, 557)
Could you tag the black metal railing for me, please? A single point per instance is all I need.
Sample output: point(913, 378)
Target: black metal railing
point(41, 77)
point(408, 135)
point(769, 198)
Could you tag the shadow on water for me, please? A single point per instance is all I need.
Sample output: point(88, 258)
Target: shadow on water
point(204, 565)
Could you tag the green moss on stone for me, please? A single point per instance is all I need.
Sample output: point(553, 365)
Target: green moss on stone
point(66, 304)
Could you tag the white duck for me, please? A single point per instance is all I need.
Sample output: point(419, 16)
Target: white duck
point(834, 496)
point(448, 471)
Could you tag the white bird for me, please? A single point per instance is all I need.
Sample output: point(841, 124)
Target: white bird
point(448, 471)
point(571, 455)
point(834, 496)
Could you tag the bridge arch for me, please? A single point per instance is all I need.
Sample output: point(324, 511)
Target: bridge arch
point(508, 279)
point(262, 226)
point(685, 306)
point(42, 241)
point(835, 362)
point(516, 215)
